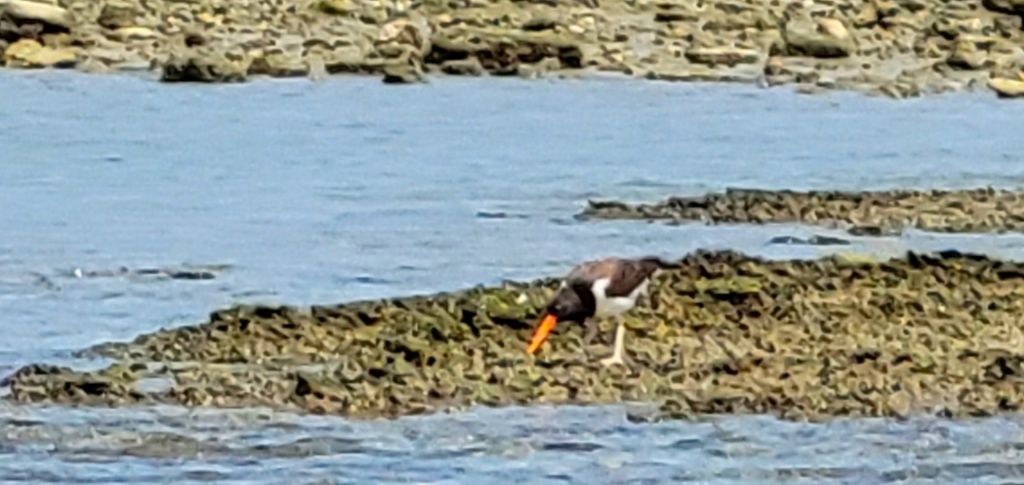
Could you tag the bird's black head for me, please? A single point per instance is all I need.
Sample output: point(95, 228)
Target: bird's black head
point(573, 303)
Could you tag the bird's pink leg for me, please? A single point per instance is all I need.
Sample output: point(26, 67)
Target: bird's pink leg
point(620, 335)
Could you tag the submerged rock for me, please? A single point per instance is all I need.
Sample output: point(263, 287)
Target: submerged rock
point(206, 272)
point(815, 240)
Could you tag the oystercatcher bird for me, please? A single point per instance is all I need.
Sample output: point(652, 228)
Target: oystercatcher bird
point(607, 287)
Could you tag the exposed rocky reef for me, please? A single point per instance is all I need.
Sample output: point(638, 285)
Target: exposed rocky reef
point(899, 48)
point(859, 213)
point(726, 333)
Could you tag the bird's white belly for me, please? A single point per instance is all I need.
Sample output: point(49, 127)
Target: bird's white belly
point(614, 306)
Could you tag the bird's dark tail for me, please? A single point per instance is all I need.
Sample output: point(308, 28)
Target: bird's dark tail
point(661, 263)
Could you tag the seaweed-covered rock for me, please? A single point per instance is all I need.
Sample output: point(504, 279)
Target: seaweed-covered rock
point(860, 213)
point(502, 52)
point(41, 383)
point(118, 14)
point(202, 68)
point(278, 65)
point(1005, 6)
point(840, 336)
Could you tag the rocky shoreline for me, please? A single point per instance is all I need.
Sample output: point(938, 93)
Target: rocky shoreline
point(879, 213)
point(897, 48)
point(726, 333)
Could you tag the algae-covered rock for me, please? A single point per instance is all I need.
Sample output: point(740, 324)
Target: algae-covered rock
point(859, 213)
point(41, 383)
point(202, 68)
point(336, 7)
point(501, 52)
point(1015, 7)
point(118, 14)
point(725, 333)
point(278, 65)
point(728, 286)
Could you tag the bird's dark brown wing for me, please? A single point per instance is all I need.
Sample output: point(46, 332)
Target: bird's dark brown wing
point(625, 274)
point(629, 273)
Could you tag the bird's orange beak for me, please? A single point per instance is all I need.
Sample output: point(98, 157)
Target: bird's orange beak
point(542, 332)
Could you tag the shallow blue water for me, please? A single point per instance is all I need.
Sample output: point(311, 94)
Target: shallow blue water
point(350, 189)
point(542, 444)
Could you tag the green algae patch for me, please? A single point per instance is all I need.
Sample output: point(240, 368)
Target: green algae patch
point(878, 213)
point(726, 333)
point(728, 286)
